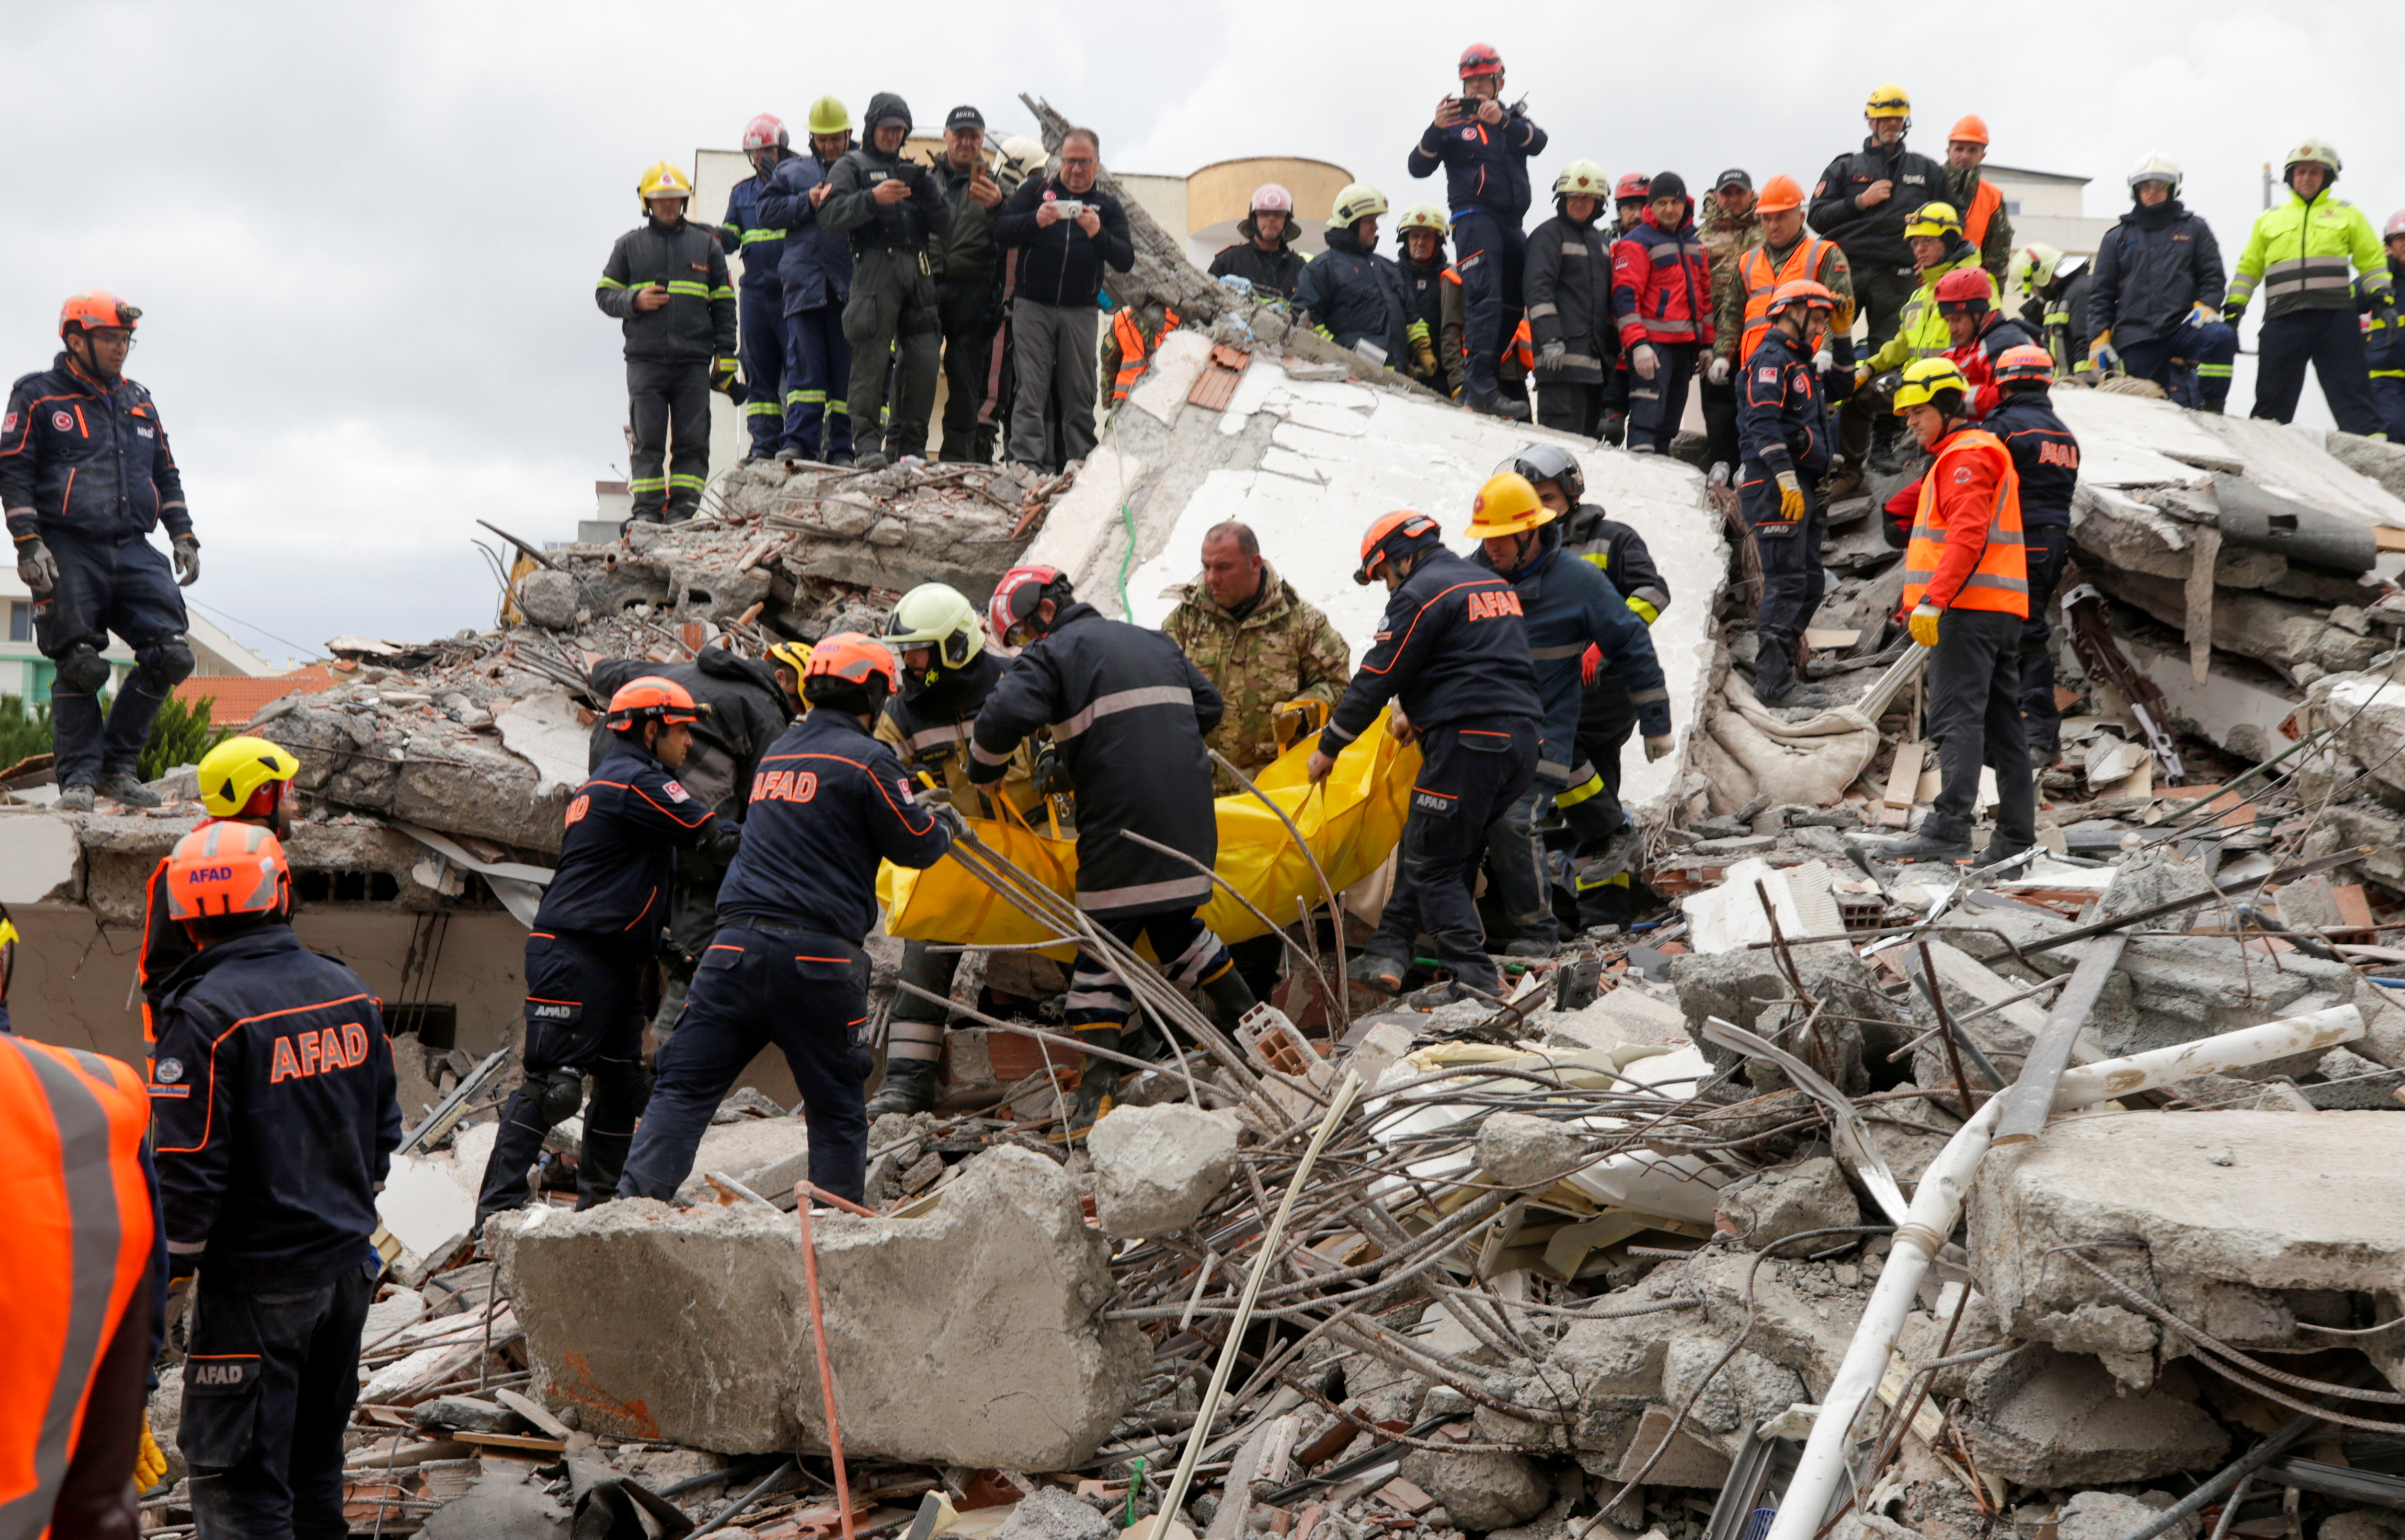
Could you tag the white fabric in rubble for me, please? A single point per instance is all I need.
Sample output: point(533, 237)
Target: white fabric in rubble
point(1747, 752)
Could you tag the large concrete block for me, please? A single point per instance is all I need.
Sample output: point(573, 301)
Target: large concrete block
point(1157, 1168)
point(2073, 1424)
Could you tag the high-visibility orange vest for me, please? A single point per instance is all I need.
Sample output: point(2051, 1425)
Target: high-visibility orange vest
point(80, 1229)
point(2000, 580)
point(1984, 205)
point(1762, 281)
point(1133, 352)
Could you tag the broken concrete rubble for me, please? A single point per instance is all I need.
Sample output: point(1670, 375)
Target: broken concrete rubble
point(1157, 1168)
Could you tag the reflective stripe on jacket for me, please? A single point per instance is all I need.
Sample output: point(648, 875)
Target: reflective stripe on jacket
point(1134, 351)
point(699, 321)
point(1919, 330)
point(1972, 492)
point(1760, 277)
point(2306, 256)
point(1662, 286)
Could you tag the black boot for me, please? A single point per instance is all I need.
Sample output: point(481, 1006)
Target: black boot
point(1937, 841)
point(909, 1087)
point(1774, 671)
point(1098, 1080)
point(1232, 997)
point(1371, 972)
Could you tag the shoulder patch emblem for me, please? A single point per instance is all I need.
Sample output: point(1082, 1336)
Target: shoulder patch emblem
point(1961, 475)
point(1767, 375)
point(676, 793)
point(62, 421)
point(168, 1071)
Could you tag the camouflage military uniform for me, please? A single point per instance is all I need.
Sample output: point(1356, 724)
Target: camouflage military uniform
point(1284, 650)
point(1996, 250)
point(1728, 303)
point(1728, 238)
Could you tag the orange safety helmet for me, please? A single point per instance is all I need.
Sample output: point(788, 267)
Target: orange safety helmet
point(854, 657)
point(2025, 363)
point(1480, 59)
point(651, 699)
point(1964, 292)
point(1804, 291)
point(1780, 194)
point(93, 309)
point(1971, 128)
point(1404, 531)
point(226, 869)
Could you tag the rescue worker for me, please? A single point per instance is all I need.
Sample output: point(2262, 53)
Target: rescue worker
point(2046, 456)
point(85, 476)
point(1986, 222)
point(1266, 257)
point(744, 704)
point(1432, 299)
point(1068, 231)
point(968, 288)
point(1980, 333)
point(2311, 255)
point(1568, 606)
point(1662, 301)
point(1351, 295)
point(1731, 227)
point(2385, 340)
point(1628, 207)
point(1940, 246)
point(2055, 290)
point(1127, 713)
point(243, 780)
point(947, 674)
point(1484, 149)
point(815, 274)
point(760, 298)
point(894, 211)
point(1783, 425)
point(1452, 652)
point(275, 1120)
point(1788, 253)
point(1599, 875)
point(1862, 201)
point(81, 1282)
point(599, 927)
point(2158, 294)
point(666, 283)
point(1568, 289)
point(828, 803)
point(1966, 589)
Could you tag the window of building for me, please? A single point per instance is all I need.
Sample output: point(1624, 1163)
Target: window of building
point(436, 1026)
point(2012, 205)
point(20, 621)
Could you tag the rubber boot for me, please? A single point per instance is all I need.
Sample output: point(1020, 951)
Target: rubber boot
point(119, 786)
point(1999, 852)
point(1098, 1080)
point(909, 1086)
point(1231, 997)
point(1371, 972)
point(1933, 842)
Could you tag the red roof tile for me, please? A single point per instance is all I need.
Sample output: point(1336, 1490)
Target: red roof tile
point(238, 697)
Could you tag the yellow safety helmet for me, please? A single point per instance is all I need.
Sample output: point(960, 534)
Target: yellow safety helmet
point(663, 181)
point(794, 655)
point(1358, 201)
point(1508, 504)
point(1924, 378)
point(1938, 219)
point(1424, 217)
point(1889, 101)
point(8, 939)
point(232, 772)
point(1584, 176)
point(829, 115)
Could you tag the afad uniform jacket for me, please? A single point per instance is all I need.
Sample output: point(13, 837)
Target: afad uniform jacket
point(1127, 713)
point(77, 458)
point(1452, 646)
point(1485, 167)
point(1569, 606)
point(697, 324)
point(617, 855)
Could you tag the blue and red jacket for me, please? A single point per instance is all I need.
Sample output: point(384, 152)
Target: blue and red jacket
point(2044, 452)
point(1569, 605)
point(1782, 419)
point(274, 1113)
point(79, 458)
point(618, 854)
point(1452, 646)
point(1485, 168)
point(828, 802)
point(747, 233)
point(1662, 285)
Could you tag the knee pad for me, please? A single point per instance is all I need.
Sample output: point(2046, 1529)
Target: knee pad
point(623, 1082)
point(560, 1096)
point(166, 662)
point(82, 671)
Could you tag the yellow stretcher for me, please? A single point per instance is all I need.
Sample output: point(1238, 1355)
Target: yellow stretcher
point(1352, 825)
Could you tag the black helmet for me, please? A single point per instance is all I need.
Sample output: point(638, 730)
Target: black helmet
point(1549, 463)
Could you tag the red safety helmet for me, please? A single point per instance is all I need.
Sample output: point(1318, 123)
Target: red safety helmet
point(1399, 533)
point(766, 132)
point(93, 309)
point(1634, 188)
point(2396, 226)
point(853, 657)
point(227, 867)
point(1012, 609)
point(1964, 292)
point(2025, 363)
point(1480, 59)
point(1803, 291)
point(651, 699)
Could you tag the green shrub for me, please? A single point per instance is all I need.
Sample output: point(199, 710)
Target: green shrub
point(179, 735)
point(24, 733)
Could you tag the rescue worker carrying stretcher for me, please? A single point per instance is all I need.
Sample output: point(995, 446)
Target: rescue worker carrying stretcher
point(1128, 711)
point(828, 802)
point(85, 476)
point(592, 941)
point(274, 1115)
point(947, 674)
point(1453, 651)
point(1966, 588)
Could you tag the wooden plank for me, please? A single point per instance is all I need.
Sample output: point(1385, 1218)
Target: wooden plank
point(509, 1441)
point(2387, 539)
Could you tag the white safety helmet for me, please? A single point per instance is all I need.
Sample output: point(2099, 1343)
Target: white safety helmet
point(1585, 176)
point(1358, 201)
point(2156, 166)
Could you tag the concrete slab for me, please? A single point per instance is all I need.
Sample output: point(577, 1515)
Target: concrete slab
point(542, 731)
point(37, 858)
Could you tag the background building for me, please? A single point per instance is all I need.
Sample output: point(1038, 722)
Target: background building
point(26, 673)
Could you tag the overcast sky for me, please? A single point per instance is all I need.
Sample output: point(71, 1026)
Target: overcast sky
point(365, 238)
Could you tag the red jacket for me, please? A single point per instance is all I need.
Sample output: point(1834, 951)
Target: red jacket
point(1662, 286)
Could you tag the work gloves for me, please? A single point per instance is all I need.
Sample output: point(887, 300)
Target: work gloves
point(1590, 665)
point(1051, 777)
point(1718, 373)
point(1658, 745)
point(1791, 497)
point(1550, 357)
point(37, 566)
point(1292, 720)
point(1644, 360)
point(149, 1466)
point(721, 375)
point(1422, 354)
point(2233, 314)
point(1922, 624)
point(2101, 356)
point(1823, 361)
point(955, 822)
point(186, 549)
